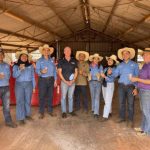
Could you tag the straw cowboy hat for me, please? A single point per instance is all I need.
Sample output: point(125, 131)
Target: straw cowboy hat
point(146, 50)
point(46, 46)
point(113, 57)
point(82, 52)
point(23, 52)
point(95, 55)
point(131, 50)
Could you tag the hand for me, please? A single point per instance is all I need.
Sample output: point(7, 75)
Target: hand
point(109, 72)
point(22, 66)
point(103, 75)
point(33, 91)
point(80, 72)
point(134, 79)
point(44, 71)
point(135, 92)
point(68, 83)
point(89, 77)
point(84, 74)
point(71, 82)
point(55, 83)
point(98, 76)
point(2, 75)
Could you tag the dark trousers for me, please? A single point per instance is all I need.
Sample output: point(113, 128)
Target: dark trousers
point(46, 87)
point(126, 98)
point(81, 90)
point(5, 96)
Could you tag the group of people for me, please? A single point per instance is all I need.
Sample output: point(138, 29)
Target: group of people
point(76, 74)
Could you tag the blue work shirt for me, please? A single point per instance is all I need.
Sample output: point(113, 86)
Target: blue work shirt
point(94, 70)
point(5, 69)
point(42, 63)
point(110, 78)
point(24, 75)
point(124, 69)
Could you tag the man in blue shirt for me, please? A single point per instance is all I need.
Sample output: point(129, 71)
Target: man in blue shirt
point(127, 89)
point(4, 90)
point(46, 70)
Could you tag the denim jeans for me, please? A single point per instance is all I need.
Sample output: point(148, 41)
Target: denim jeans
point(95, 89)
point(145, 107)
point(108, 95)
point(81, 90)
point(5, 96)
point(23, 91)
point(46, 88)
point(64, 90)
point(126, 96)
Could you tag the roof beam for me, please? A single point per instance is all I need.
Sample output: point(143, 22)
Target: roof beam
point(141, 40)
point(57, 14)
point(20, 35)
point(27, 20)
point(110, 15)
point(85, 12)
point(142, 6)
point(133, 27)
point(16, 45)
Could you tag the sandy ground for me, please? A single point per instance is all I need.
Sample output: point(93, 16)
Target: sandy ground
point(82, 132)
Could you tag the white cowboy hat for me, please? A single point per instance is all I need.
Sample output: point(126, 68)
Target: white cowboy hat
point(82, 52)
point(131, 50)
point(113, 57)
point(95, 55)
point(46, 46)
point(23, 52)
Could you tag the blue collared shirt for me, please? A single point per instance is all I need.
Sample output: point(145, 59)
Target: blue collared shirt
point(110, 78)
point(95, 70)
point(5, 69)
point(24, 75)
point(124, 70)
point(42, 63)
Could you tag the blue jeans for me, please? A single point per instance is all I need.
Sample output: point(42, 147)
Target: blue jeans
point(95, 89)
point(145, 107)
point(81, 90)
point(5, 96)
point(64, 90)
point(125, 95)
point(23, 91)
point(46, 88)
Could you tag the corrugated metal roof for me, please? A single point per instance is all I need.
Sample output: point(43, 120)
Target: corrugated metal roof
point(34, 22)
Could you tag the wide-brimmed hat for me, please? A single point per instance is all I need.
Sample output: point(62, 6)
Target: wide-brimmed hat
point(145, 50)
point(82, 52)
point(113, 57)
point(46, 46)
point(23, 52)
point(131, 50)
point(95, 55)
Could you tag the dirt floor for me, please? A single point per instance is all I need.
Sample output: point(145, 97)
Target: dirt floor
point(82, 132)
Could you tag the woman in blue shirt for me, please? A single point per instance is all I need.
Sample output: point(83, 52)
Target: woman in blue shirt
point(108, 86)
point(23, 71)
point(94, 82)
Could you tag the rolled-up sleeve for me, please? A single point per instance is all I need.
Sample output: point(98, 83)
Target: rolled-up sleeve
point(7, 73)
point(16, 71)
point(55, 72)
point(33, 78)
point(38, 68)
